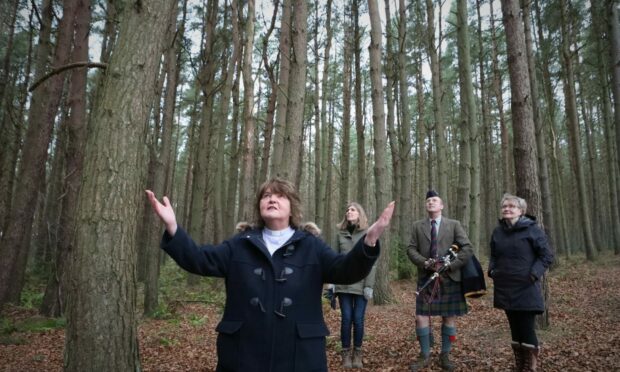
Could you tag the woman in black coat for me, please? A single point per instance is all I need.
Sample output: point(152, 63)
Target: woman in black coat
point(274, 273)
point(520, 255)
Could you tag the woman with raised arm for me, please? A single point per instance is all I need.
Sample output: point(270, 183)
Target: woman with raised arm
point(274, 272)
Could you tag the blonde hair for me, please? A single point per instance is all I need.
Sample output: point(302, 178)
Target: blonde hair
point(285, 188)
point(520, 202)
point(362, 220)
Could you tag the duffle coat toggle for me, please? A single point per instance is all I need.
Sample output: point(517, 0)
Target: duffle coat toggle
point(260, 272)
point(285, 302)
point(255, 301)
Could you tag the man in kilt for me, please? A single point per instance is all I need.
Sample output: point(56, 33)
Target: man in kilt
point(430, 241)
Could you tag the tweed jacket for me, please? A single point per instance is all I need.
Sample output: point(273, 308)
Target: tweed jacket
point(450, 231)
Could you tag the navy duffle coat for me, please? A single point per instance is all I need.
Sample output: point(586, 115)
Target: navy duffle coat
point(273, 316)
point(520, 255)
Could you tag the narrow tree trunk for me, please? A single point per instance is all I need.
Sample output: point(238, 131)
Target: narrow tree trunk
point(468, 137)
point(561, 242)
point(382, 286)
point(526, 167)
point(14, 245)
point(233, 168)
point(162, 164)
point(226, 227)
point(543, 171)
point(283, 86)
point(487, 163)
point(54, 300)
point(296, 92)
point(407, 170)
point(572, 124)
point(361, 193)
point(507, 184)
point(614, 41)
point(345, 152)
point(440, 131)
point(602, 69)
point(246, 209)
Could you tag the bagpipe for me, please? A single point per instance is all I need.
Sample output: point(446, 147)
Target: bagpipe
point(444, 264)
point(473, 284)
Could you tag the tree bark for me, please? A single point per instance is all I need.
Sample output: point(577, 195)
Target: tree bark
point(162, 162)
point(101, 329)
point(14, 245)
point(283, 87)
point(469, 133)
point(382, 286)
point(602, 69)
point(507, 180)
point(526, 167)
point(440, 130)
point(296, 92)
point(246, 189)
point(361, 193)
point(54, 299)
point(572, 123)
point(614, 41)
point(345, 152)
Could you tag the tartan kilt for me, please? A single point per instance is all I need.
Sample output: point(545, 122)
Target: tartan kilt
point(448, 302)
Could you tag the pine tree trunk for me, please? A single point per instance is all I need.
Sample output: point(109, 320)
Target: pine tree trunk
point(526, 167)
point(361, 192)
point(283, 84)
point(574, 144)
point(54, 299)
point(507, 184)
point(547, 220)
point(162, 164)
point(328, 135)
point(14, 245)
point(549, 120)
point(440, 131)
point(612, 180)
point(101, 329)
point(614, 41)
point(345, 152)
point(382, 285)
point(246, 210)
point(296, 93)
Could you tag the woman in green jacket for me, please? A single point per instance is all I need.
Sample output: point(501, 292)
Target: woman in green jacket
point(353, 298)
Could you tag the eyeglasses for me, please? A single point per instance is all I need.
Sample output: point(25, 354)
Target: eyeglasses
point(509, 206)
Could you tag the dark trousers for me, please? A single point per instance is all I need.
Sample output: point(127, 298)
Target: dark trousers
point(353, 309)
point(522, 326)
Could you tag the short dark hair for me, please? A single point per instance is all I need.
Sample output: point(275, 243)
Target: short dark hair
point(285, 188)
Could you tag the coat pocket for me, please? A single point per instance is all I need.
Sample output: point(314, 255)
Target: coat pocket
point(228, 344)
point(310, 347)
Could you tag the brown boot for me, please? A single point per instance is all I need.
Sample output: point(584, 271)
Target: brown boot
point(519, 355)
point(357, 358)
point(346, 358)
point(422, 362)
point(445, 362)
point(530, 357)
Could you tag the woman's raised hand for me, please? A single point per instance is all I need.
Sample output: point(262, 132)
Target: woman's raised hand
point(377, 228)
point(164, 211)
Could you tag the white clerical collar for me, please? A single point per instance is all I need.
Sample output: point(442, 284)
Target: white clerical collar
point(275, 239)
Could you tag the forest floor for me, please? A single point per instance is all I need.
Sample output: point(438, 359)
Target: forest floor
point(584, 334)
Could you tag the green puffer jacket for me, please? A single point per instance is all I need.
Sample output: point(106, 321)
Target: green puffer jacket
point(344, 243)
